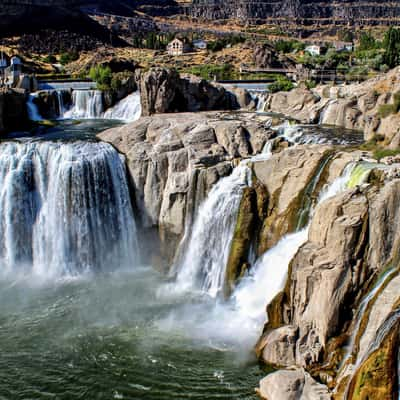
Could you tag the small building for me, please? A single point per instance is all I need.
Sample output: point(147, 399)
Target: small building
point(13, 72)
point(314, 50)
point(177, 47)
point(343, 46)
point(200, 44)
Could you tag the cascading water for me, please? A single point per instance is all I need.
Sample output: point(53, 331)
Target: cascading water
point(261, 97)
point(64, 208)
point(33, 111)
point(86, 104)
point(128, 109)
point(203, 266)
point(268, 276)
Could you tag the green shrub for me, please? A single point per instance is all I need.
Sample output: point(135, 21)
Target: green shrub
point(102, 76)
point(50, 59)
point(282, 84)
point(310, 84)
point(387, 109)
point(66, 58)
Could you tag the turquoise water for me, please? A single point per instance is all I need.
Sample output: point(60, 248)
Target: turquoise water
point(106, 337)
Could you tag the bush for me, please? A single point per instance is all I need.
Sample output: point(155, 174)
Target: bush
point(66, 58)
point(282, 84)
point(310, 84)
point(102, 76)
point(211, 71)
point(50, 59)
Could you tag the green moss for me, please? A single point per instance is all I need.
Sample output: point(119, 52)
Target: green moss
point(377, 376)
point(382, 153)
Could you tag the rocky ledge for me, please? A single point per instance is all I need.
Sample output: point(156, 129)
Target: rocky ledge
point(174, 159)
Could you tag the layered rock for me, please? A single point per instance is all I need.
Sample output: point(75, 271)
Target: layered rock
point(300, 11)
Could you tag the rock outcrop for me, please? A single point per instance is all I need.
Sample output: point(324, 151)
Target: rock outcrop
point(350, 244)
point(174, 159)
point(164, 91)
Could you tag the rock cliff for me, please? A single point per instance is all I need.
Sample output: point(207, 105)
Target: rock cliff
point(300, 11)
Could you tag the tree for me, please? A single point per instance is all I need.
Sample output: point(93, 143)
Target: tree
point(367, 42)
point(391, 45)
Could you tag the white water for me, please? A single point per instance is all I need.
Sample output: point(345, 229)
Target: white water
point(128, 109)
point(64, 209)
point(33, 111)
point(260, 96)
point(269, 274)
point(61, 106)
point(86, 104)
point(203, 266)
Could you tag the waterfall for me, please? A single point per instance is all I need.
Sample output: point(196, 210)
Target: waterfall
point(128, 109)
point(204, 263)
point(261, 97)
point(269, 274)
point(33, 111)
point(64, 209)
point(86, 104)
point(60, 101)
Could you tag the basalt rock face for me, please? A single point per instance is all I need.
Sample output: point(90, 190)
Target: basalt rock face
point(164, 91)
point(173, 161)
point(301, 11)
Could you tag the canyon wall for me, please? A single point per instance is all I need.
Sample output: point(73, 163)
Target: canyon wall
point(302, 11)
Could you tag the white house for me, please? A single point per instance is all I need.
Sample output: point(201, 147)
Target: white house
point(177, 47)
point(313, 50)
point(200, 44)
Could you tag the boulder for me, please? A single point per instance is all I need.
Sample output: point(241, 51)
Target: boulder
point(165, 91)
point(293, 384)
point(279, 347)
